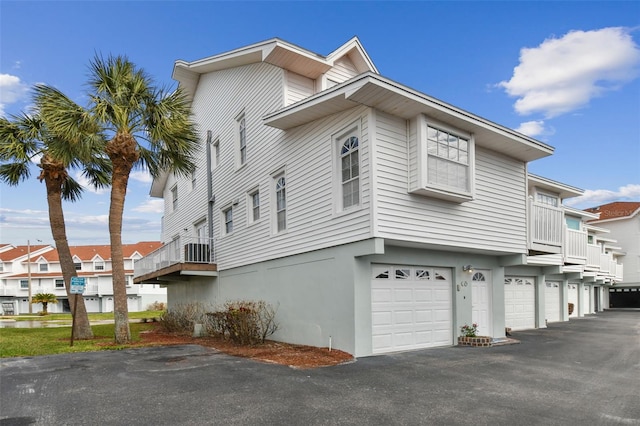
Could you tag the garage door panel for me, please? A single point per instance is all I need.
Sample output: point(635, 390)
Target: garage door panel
point(418, 313)
point(552, 302)
point(519, 300)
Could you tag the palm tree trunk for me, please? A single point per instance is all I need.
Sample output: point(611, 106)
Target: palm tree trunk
point(54, 177)
point(121, 151)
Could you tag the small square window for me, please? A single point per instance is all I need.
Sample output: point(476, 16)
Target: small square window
point(59, 283)
point(44, 267)
point(24, 284)
point(78, 266)
point(98, 266)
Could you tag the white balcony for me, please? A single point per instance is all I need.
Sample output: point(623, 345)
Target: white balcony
point(182, 256)
point(546, 228)
point(575, 247)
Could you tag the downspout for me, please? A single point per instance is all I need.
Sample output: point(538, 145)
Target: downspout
point(210, 198)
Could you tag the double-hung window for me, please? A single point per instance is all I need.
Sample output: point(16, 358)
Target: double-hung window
point(281, 203)
point(253, 205)
point(241, 136)
point(59, 283)
point(43, 267)
point(350, 172)
point(441, 161)
point(227, 216)
point(24, 284)
point(174, 197)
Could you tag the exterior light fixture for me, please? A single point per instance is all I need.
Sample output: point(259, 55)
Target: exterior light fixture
point(468, 268)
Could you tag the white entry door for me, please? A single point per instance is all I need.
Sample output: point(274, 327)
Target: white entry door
point(552, 302)
point(411, 307)
point(572, 295)
point(481, 290)
point(519, 303)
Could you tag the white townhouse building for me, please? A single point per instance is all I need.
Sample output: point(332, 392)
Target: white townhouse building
point(622, 219)
point(38, 267)
point(374, 217)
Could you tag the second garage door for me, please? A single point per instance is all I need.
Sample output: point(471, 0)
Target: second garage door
point(519, 303)
point(411, 308)
point(552, 301)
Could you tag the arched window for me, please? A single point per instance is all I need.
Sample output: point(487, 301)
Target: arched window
point(281, 204)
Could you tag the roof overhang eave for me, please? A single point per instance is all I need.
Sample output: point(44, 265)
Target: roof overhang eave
point(377, 92)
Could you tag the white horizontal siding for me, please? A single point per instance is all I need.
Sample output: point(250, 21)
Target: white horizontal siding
point(342, 70)
point(298, 87)
point(494, 220)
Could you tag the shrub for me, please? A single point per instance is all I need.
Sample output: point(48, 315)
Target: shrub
point(181, 318)
point(244, 322)
point(157, 306)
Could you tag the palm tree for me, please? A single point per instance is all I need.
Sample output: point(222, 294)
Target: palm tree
point(45, 299)
point(22, 141)
point(148, 127)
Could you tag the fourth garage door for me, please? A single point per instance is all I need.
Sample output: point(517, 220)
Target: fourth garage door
point(410, 308)
point(519, 303)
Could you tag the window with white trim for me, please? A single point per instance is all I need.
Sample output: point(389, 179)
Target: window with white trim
point(98, 265)
point(241, 125)
point(174, 197)
point(193, 179)
point(43, 267)
point(59, 283)
point(77, 266)
point(350, 172)
point(281, 203)
point(227, 218)
point(215, 153)
point(24, 284)
point(546, 199)
point(253, 206)
point(443, 161)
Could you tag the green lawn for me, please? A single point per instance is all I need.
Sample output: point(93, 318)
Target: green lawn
point(56, 340)
point(92, 317)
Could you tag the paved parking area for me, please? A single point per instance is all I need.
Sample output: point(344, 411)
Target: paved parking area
point(584, 372)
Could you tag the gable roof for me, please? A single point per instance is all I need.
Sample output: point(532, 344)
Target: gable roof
point(378, 92)
point(274, 51)
point(22, 251)
point(617, 210)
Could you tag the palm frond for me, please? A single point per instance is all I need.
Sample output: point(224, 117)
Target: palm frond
point(71, 190)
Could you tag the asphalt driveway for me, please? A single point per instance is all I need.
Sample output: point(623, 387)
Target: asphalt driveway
point(584, 372)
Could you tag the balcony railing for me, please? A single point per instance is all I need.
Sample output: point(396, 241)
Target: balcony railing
point(181, 250)
point(593, 255)
point(575, 244)
point(546, 225)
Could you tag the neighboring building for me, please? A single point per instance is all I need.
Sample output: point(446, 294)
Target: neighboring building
point(622, 219)
point(375, 217)
point(38, 267)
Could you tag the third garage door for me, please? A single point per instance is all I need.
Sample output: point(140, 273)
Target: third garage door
point(519, 303)
point(552, 301)
point(411, 307)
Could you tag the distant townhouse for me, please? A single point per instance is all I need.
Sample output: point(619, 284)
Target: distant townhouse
point(36, 269)
point(376, 218)
point(622, 219)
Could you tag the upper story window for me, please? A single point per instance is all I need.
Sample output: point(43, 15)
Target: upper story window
point(442, 161)
point(242, 140)
point(77, 266)
point(98, 265)
point(43, 267)
point(447, 160)
point(573, 223)
point(227, 216)
point(193, 179)
point(253, 206)
point(202, 232)
point(174, 197)
point(1, 267)
point(59, 283)
point(215, 153)
point(24, 284)
point(547, 199)
point(350, 172)
point(281, 203)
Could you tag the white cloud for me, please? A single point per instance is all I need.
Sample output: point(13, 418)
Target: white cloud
point(12, 90)
point(564, 74)
point(150, 206)
point(532, 128)
point(595, 197)
point(141, 176)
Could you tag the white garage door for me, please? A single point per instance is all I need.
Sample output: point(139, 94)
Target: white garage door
point(519, 303)
point(552, 302)
point(587, 300)
point(411, 308)
point(572, 295)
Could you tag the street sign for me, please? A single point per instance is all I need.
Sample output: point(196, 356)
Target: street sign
point(77, 285)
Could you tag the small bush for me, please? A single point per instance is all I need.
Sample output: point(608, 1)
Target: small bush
point(244, 322)
point(181, 318)
point(157, 306)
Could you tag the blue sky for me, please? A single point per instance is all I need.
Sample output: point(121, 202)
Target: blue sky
point(565, 73)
